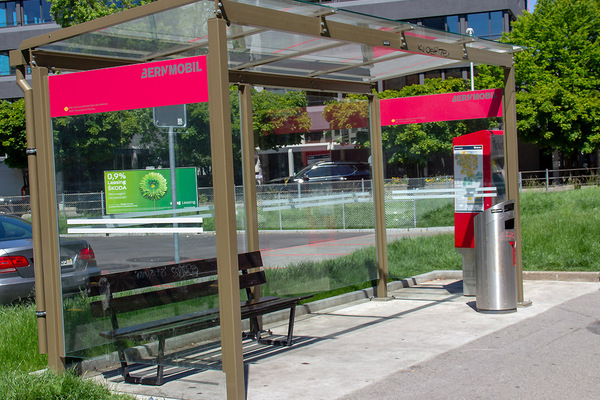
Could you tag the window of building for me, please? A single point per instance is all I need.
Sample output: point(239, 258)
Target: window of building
point(433, 74)
point(24, 12)
point(8, 13)
point(46, 17)
point(480, 23)
point(32, 12)
point(454, 73)
point(497, 25)
point(488, 25)
point(453, 24)
point(435, 23)
point(4, 65)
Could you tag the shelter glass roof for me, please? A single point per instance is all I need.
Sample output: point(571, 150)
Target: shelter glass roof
point(281, 37)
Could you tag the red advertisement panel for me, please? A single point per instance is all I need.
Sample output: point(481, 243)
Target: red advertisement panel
point(441, 107)
point(155, 84)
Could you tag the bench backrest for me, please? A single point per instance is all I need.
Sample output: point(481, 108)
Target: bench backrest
point(168, 283)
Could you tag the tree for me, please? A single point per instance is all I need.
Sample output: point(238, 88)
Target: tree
point(13, 136)
point(557, 75)
point(86, 145)
point(279, 119)
point(72, 12)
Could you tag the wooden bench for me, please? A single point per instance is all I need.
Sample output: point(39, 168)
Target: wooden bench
point(177, 283)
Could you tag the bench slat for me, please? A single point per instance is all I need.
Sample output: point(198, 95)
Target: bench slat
point(165, 274)
point(142, 301)
point(191, 322)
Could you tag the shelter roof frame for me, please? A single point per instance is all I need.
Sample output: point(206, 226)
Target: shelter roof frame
point(318, 46)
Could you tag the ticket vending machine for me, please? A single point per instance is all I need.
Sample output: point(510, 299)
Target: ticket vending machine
point(479, 183)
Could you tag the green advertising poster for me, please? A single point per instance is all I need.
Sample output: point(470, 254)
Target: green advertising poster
point(149, 190)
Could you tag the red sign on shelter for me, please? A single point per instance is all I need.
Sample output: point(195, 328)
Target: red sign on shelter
point(441, 107)
point(155, 84)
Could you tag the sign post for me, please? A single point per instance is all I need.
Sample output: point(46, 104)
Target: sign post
point(171, 117)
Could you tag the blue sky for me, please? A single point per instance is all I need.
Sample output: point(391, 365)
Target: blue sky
point(531, 4)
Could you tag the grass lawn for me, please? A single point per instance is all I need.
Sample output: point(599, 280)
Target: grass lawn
point(19, 357)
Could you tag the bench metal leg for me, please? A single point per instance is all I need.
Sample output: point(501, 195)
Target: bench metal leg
point(280, 342)
point(156, 380)
point(291, 325)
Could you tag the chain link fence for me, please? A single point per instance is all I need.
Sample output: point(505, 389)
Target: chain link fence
point(559, 179)
point(328, 205)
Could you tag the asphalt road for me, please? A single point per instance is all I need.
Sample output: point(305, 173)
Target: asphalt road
point(278, 248)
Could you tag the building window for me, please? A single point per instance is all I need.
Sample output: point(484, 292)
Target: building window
point(453, 24)
point(497, 25)
point(480, 23)
point(489, 25)
point(24, 12)
point(8, 13)
point(435, 23)
point(4, 64)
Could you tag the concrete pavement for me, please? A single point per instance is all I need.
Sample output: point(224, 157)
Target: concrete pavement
point(425, 342)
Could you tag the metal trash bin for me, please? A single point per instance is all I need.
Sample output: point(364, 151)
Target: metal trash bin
point(495, 263)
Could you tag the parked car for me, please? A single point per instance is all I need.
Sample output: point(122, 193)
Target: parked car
point(77, 261)
point(330, 171)
point(14, 205)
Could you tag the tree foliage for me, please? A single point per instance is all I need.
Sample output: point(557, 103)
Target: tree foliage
point(85, 145)
point(352, 112)
point(279, 119)
point(557, 75)
point(13, 136)
point(72, 12)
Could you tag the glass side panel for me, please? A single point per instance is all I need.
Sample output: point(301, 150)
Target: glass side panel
point(115, 192)
point(315, 193)
point(419, 178)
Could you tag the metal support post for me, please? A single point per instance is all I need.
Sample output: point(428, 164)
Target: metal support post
point(249, 173)
point(173, 190)
point(35, 209)
point(224, 203)
point(511, 161)
point(378, 199)
point(48, 220)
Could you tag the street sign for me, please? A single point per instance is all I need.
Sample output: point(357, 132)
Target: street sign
point(170, 116)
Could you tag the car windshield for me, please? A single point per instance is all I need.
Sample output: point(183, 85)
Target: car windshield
point(303, 171)
point(14, 228)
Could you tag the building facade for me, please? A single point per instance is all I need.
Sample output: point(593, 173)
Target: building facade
point(19, 20)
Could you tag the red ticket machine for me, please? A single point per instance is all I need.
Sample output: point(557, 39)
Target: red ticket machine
point(478, 167)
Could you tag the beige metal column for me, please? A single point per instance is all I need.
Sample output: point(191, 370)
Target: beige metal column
point(511, 167)
point(32, 164)
point(48, 222)
point(377, 171)
point(250, 207)
point(224, 202)
point(247, 134)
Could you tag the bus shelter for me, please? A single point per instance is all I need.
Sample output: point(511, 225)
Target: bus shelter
point(173, 52)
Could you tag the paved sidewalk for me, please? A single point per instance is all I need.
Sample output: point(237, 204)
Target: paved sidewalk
point(426, 342)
